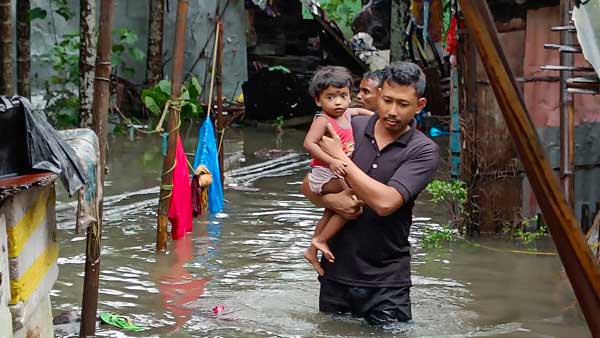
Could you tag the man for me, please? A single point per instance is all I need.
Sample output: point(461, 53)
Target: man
point(391, 164)
point(368, 89)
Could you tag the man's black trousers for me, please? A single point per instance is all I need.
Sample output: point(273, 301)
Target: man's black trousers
point(377, 305)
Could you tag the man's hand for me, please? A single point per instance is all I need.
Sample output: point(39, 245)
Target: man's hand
point(338, 167)
point(345, 204)
point(332, 145)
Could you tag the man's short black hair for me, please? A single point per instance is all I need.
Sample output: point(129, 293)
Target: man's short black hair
point(375, 75)
point(407, 74)
point(336, 76)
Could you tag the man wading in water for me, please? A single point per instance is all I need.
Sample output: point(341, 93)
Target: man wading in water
point(391, 164)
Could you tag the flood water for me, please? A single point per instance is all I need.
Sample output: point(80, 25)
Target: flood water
point(248, 259)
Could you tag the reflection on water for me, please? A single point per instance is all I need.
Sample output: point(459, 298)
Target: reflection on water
point(247, 263)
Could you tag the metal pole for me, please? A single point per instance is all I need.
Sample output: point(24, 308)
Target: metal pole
point(567, 119)
point(220, 120)
point(576, 256)
point(172, 127)
point(100, 106)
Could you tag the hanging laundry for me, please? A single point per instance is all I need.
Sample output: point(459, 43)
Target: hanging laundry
point(180, 208)
point(200, 185)
point(208, 155)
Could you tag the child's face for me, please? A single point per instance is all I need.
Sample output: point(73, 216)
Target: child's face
point(334, 101)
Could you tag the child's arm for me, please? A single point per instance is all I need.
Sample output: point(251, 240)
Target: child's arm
point(360, 111)
point(311, 145)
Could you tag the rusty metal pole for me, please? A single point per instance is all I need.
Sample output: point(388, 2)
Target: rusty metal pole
point(220, 120)
point(577, 258)
point(567, 118)
point(172, 126)
point(100, 106)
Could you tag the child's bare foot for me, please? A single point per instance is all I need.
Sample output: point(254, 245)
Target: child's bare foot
point(322, 245)
point(310, 255)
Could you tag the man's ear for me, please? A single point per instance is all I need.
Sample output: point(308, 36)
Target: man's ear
point(421, 103)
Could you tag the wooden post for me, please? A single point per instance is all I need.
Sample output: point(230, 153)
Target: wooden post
point(23, 48)
point(220, 120)
point(100, 106)
point(400, 12)
point(87, 56)
point(567, 118)
point(6, 56)
point(154, 62)
point(577, 258)
point(172, 126)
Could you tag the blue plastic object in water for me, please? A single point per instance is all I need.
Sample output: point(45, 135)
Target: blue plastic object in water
point(207, 154)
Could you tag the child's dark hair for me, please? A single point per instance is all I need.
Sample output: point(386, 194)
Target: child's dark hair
point(336, 76)
point(406, 74)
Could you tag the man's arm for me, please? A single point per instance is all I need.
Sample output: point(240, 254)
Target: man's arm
point(406, 183)
point(343, 203)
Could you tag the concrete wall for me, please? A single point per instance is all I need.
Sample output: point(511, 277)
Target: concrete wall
point(133, 15)
point(5, 316)
point(28, 221)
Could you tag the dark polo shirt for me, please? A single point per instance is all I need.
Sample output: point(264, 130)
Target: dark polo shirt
point(373, 250)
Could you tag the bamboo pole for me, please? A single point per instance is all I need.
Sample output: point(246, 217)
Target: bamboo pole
point(172, 127)
point(100, 106)
point(154, 61)
point(87, 57)
point(567, 113)
point(6, 45)
point(220, 121)
point(577, 258)
point(23, 48)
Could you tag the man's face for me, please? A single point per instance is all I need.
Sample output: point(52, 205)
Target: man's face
point(334, 101)
point(397, 106)
point(367, 95)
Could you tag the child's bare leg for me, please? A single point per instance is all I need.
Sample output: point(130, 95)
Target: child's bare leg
point(335, 223)
point(310, 254)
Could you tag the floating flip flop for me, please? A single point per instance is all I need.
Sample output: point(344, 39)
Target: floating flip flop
point(119, 321)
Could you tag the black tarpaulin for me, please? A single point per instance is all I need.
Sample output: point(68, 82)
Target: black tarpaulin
point(46, 150)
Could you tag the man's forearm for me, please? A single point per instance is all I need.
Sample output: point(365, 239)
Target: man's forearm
point(382, 198)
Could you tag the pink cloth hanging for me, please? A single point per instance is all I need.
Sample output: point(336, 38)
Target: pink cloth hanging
point(180, 208)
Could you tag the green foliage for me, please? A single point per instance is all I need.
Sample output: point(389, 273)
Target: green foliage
point(279, 122)
point(155, 98)
point(342, 12)
point(123, 49)
point(37, 13)
point(62, 8)
point(527, 237)
point(453, 193)
point(434, 238)
point(62, 103)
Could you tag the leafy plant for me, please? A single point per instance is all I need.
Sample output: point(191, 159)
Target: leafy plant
point(37, 13)
point(434, 238)
point(62, 8)
point(62, 101)
point(526, 237)
point(451, 193)
point(342, 12)
point(123, 48)
point(156, 97)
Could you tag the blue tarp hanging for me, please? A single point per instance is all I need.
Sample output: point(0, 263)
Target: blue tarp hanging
point(207, 154)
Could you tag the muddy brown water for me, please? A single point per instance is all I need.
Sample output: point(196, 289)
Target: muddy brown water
point(248, 260)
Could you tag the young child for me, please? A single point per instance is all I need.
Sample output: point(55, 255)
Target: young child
point(330, 87)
